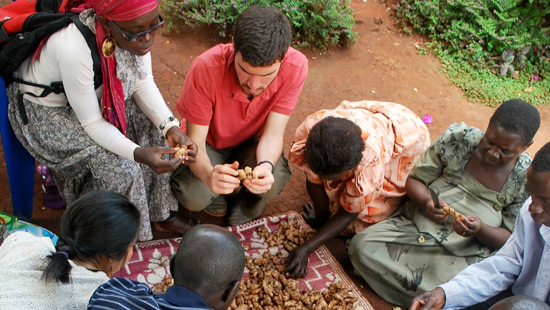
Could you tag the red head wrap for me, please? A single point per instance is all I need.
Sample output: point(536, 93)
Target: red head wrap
point(112, 102)
point(123, 10)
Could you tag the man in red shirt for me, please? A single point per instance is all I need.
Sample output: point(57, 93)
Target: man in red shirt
point(237, 100)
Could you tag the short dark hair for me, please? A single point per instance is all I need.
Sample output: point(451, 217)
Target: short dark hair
point(541, 162)
point(209, 260)
point(262, 34)
point(520, 302)
point(98, 223)
point(334, 145)
point(519, 117)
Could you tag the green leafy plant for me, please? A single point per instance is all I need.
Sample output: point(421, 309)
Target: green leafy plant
point(320, 23)
point(509, 39)
point(509, 58)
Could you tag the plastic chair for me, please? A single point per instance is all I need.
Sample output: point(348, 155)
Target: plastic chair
point(19, 163)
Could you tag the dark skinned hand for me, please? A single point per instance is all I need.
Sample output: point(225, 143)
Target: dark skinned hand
point(152, 157)
point(296, 263)
point(175, 138)
point(467, 225)
point(432, 300)
point(435, 214)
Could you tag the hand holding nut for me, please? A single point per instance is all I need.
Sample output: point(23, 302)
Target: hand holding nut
point(246, 174)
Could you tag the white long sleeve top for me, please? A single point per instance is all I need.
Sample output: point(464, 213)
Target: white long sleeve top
point(66, 57)
point(23, 259)
point(523, 263)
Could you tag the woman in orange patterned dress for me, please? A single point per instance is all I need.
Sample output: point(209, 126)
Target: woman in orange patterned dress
point(356, 158)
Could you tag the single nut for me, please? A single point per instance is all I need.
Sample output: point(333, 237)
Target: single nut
point(242, 174)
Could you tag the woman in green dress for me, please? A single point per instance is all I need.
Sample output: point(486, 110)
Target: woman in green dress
point(482, 176)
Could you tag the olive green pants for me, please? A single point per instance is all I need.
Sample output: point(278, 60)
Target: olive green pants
point(195, 196)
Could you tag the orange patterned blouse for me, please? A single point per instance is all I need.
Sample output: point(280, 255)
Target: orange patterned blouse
point(394, 136)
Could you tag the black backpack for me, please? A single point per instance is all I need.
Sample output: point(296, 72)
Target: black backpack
point(23, 26)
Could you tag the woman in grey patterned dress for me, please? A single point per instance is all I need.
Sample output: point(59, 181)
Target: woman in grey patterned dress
point(120, 137)
point(481, 175)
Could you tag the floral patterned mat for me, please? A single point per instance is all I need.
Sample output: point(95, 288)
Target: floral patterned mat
point(150, 261)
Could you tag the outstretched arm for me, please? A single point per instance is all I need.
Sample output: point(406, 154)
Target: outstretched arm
point(317, 213)
point(297, 260)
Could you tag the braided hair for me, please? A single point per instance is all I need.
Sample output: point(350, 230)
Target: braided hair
point(100, 223)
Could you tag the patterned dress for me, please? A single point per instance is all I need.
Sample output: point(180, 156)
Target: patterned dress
point(394, 139)
point(55, 137)
point(409, 254)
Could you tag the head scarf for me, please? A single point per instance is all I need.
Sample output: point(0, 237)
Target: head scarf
point(112, 102)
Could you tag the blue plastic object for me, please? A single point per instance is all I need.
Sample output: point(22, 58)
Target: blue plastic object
point(19, 163)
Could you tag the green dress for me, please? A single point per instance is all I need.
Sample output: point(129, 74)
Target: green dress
point(409, 254)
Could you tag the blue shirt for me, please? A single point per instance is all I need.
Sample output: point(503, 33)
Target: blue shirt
point(523, 263)
point(121, 293)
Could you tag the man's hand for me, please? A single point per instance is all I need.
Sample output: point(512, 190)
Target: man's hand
point(296, 263)
point(175, 138)
point(152, 157)
point(434, 299)
point(264, 181)
point(435, 214)
point(467, 225)
point(223, 179)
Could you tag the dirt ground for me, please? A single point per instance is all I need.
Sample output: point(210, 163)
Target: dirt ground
point(383, 65)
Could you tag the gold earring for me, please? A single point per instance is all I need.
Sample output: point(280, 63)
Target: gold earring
point(108, 47)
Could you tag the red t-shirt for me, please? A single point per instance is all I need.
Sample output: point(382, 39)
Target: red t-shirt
point(211, 96)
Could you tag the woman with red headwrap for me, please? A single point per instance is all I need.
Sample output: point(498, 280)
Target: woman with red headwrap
point(96, 139)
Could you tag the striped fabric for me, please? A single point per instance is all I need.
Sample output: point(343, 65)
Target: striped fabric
point(523, 264)
point(126, 294)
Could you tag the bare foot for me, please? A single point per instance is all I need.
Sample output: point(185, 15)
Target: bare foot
point(172, 225)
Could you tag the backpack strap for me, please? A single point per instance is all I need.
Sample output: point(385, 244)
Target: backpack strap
point(57, 87)
point(90, 39)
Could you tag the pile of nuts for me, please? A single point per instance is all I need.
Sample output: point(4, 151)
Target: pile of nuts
point(289, 235)
point(246, 174)
point(269, 288)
